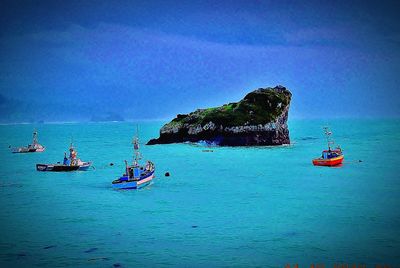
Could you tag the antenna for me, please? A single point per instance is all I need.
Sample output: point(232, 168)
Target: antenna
point(135, 143)
point(35, 139)
point(328, 134)
point(71, 146)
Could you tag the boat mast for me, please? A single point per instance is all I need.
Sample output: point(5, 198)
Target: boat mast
point(71, 145)
point(135, 143)
point(328, 134)
point(35, 139)
point(126, 168)
point(72, 153)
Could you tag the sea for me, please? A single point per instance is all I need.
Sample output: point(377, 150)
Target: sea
point(220, 206)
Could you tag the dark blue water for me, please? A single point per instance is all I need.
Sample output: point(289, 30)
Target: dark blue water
point(260, 206)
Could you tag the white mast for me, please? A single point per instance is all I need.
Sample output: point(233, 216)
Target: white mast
point(35, 139)
point(328, 134)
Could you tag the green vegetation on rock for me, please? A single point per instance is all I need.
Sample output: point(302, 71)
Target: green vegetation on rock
point(261, 106)
point(260, 118)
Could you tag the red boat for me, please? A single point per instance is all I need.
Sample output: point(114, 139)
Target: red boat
point(329, 157)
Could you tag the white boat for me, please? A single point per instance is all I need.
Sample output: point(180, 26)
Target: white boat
point(31, 148)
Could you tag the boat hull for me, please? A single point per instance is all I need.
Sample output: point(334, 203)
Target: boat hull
point(55, 167)
point(62, 168)
point(133, 184)
point(328, 162)
point(21, 150)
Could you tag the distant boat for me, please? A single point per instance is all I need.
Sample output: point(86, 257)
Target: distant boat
point(72, 163)
point(31, 148)
point(330, 157)
point(136, 176)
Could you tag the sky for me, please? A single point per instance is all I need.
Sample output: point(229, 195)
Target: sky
point(75, 60)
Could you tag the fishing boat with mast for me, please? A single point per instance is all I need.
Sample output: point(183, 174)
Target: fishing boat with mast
point(70, 163)
point(330, 157)
point(136, 175)
point(31, 148)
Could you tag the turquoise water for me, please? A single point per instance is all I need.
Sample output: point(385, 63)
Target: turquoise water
point(241, 207)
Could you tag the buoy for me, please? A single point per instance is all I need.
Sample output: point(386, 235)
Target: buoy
point(166, 174)
point(111, 164)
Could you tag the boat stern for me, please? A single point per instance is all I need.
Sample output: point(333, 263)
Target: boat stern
point(85, 166)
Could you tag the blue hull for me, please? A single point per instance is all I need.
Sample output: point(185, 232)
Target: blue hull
point(130, 185)
point(123, 182)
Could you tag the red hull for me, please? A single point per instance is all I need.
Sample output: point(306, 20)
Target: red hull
point(328, 162)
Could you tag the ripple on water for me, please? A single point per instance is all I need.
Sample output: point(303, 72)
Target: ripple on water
point(49, 247)
point(90, 250)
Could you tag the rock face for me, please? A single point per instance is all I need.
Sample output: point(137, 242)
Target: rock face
point(260, 118)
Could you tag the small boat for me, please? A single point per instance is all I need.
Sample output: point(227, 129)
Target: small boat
point(330, 157)
point(136, 176)
point(31, 148)
point(72, 163)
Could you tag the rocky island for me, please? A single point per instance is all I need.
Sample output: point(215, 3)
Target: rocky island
point(260, 118)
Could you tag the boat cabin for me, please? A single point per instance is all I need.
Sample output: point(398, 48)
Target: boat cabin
point(134, 172)
point(328, 154)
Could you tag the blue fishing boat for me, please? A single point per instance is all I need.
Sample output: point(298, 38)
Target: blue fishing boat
point(136, 176)
point(71, 163)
